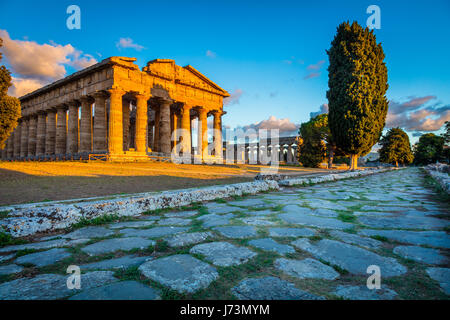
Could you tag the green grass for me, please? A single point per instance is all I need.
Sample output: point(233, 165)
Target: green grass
point(24, 252)
point(4, 214)
point(7, 240)
point(105, 219)
point(380, 238)
point(346, 217)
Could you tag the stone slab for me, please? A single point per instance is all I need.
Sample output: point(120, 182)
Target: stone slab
point(88, 233)
point(356, 239)
point(10, 269)
point(256, 221)
point(441, 275)
point(404, 222)
point(44, 245)
point(349, 257)
point(314, 221)
point(270, 288)
point(223, 254)
point(251, 202)
point(117, 263)
point(291, 232)
point(213, 220)
point(185, 239)
point(44, 258)
point(306, 269)
point(131, 224)
point(181, 214)
point(124, 290)
point(182, 272)
point(237, 232)
point(174, 222)
point(269, 244)
point(363, 293)
point(219, 208)
point(111, 245)
point(431, 238)
point(419, 254)
point(156, 232)
point(6, 257)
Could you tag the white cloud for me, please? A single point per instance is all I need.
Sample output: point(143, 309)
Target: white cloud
point(323, 109)
point(233, 98)
point(21, 87)
point(211, 54)
point(128, 43)
point(283, 125)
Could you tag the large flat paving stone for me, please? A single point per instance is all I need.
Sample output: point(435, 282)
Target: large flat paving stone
point(306, 269)
point(237, 232)
point(88, 233)
point(181, 214)
point(44, 245)
point(419, 254)
point(364, 293)
point(6, 257)
point(441, 275)
point(10, 269)
point(213, 220)
point(182, 272)
point(219, 208)
point(324, 204)
point(223, 254)
point(260, 213)
point(174, 222)
point(355, 239)
point(269, 244)
point(124, 262)
point(51, 286)
point(256, 221)
point(404, 222)
point(185, 239)
point(291, 232)
point(270, 288)
point(251, 202)
point(431, 238)
point(115, 244)
point(124, 290)
point(156, 232)
point(349, 257)
point(314, 221)
point(131, 224)
point(44, 258)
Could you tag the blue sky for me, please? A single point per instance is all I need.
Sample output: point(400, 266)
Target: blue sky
point(269, 54)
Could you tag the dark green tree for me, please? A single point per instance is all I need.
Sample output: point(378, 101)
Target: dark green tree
point(312, 146)
point(429, 149)
point(395, 147)
point(9, 106)
point(357, 81)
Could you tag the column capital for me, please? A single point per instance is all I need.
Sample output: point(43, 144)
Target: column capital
point(61, 106)
point(100, 95)
point(116, 90)
point(73, 102)
point(86, 99)
point(144, 96)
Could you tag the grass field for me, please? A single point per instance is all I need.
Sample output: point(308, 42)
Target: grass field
point(25, 182)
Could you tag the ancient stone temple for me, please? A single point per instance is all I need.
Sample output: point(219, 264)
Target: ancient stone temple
point(113, 108)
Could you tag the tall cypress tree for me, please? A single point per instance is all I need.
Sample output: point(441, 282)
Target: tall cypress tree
point(357, 81)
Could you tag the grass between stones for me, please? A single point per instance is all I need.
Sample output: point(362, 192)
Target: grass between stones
point(7, 240)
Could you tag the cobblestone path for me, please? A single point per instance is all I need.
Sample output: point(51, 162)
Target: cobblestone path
point(314, 242)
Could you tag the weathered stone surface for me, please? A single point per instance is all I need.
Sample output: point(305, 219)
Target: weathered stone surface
point(131, 224)
point(223, 254)
point(181, 214)
point(251, 202)
point(314, 221)
point(373, 214)
point(407, 222)
point(255, 221)
point(51, 286)
point(212, 220)
point(10, 269)
point(44, 245)
point(349, 257)
point(324, 213)
point(260, 212)
point(270, 288)
point(431, 238)
point(237, 232)
point(219, 208)
point(182, 272)
point(184, 239)
point(291, 232)
point(441, 275)
point(124, 290)
point(115, 244)
point(156, 232)
point(306, 269)
point(383, 208)
point(89, 232)
point(7, 257)
point(269, 244)
point(363, 293)
point(174, 222)
point(324, 204)
point(44, 258)
point(117, 263)
point(425, 255)
point(355, 239)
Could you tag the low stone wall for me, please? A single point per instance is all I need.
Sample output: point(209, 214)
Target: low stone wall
point(29, 219)
point(440, 173)
point(332, 177)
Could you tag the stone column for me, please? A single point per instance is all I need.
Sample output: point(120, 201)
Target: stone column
point(61, 133)
point(10, 146)
point(289, 155)
point(156, 137)
point(24, 138)
point(40, 134)
point(72, 131)
point(50, 134)
point(126, 123)
point(100, 138)
point(150, 136)
point(32, 136)
point(17, 134)
point(164, 127)
point(86, 125)
point(203, 133)
point(174, 129)
point(115, 132)
point(218, 145)
point(141, 122)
